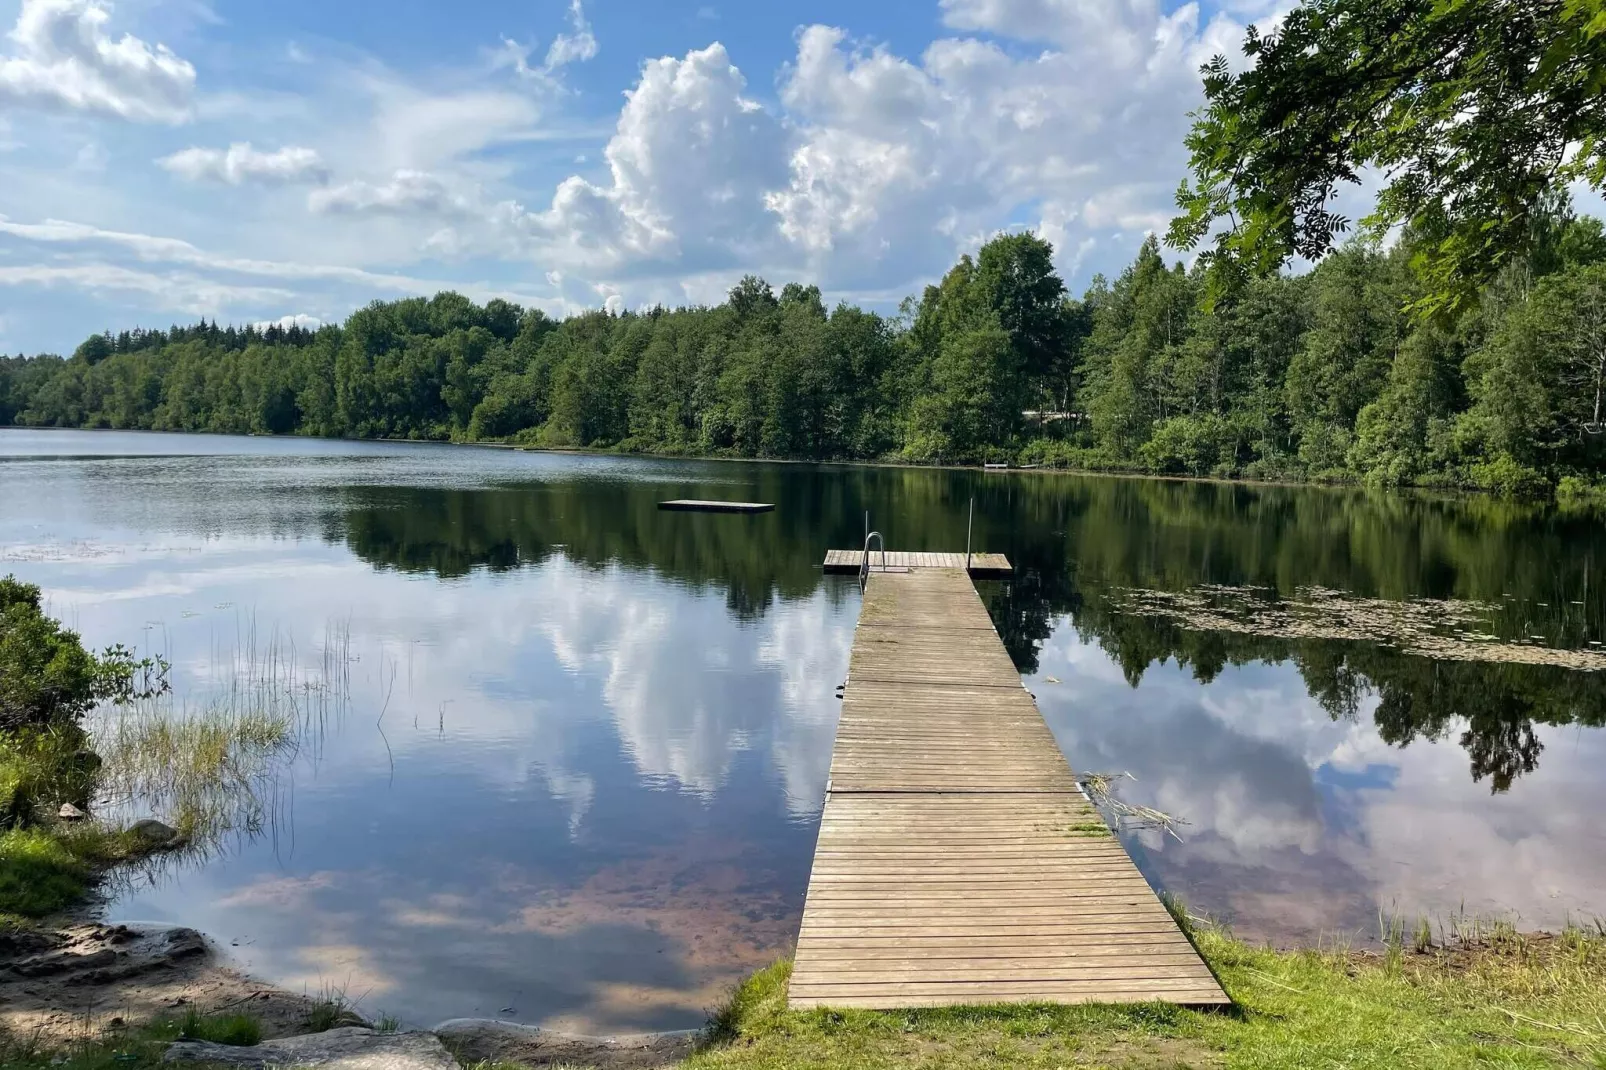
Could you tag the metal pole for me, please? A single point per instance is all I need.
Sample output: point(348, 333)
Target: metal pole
point(969, 524)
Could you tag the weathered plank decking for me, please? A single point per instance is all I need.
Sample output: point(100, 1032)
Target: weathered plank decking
point(980, 564)
point(958, 861)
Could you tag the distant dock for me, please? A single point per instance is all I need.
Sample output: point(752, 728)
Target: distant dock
point(959, 862)
point(693, 505)
point(981, 565)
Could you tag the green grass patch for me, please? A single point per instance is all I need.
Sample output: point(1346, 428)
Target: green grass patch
point(47, 869)
point(38, 873)
point(236, 1030)
point(138, 1048)
point(1492, 998)
point(1507, 1001)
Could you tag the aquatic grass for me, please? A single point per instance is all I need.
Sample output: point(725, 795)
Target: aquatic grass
point(208, 770)
point(331, 1008)
point(209, 765)
point(235, 1030)
point(205, 773)
point(1423, 941)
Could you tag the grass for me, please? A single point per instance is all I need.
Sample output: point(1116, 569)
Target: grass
point(206, 771)
point(1486, 996)
point(236, 1030)
point(138, 1048)
point(209, 771)
point(200, 773)
point(1509, 1001)
point(38, 874)
point(331, 1009)
point(45, 870)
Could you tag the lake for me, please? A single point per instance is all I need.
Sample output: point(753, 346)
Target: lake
point(575, 768)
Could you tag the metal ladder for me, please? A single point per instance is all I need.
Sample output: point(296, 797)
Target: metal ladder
point(864, 561)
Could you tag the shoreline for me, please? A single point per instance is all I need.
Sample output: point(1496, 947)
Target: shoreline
point(1415, 490)
point(1487, 992)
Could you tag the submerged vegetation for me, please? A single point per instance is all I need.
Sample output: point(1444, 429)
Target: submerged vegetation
point(1323, 376)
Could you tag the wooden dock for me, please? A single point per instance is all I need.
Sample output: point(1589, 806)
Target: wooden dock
point(980, 564)
point(958, 860)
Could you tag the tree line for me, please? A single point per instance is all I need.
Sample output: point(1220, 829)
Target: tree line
point(1324, 375)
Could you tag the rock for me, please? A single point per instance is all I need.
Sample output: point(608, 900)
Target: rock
point(69, 812)
point(64, 962)
point(478, 1040)
point(183, 944)
point(154, 832)
point(338, 1049)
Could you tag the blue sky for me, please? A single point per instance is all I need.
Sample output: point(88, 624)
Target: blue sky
point(162, 160)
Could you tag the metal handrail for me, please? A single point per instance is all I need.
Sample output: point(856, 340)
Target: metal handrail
point(864, 561)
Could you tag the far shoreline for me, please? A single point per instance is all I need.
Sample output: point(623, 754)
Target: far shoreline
point(1335, 485)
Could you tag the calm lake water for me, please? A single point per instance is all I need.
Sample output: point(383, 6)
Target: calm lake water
point(578, 765)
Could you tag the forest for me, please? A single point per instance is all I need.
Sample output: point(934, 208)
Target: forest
point(1332, 374)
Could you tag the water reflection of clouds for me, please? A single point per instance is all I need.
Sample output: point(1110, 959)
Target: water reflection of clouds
point(492, 824)
point(1302, 825)
point(689, 689)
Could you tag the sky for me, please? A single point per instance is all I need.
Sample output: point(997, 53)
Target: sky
point(163, 160)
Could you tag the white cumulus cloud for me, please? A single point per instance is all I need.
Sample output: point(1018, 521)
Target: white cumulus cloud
point(300, 319)
point(899, 164)
point(407, 192)
point(62, 56)
point(241, 163)
point(689, 164)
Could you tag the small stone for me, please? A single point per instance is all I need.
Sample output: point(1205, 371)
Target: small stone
point(69, 812)
point(153, 831)
point(184, 943)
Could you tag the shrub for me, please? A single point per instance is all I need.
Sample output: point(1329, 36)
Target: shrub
point(47, 678)
point(1193, 445)
point(1508, 478)
point(43, 767)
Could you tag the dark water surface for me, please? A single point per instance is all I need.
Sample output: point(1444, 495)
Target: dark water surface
point(577, 778)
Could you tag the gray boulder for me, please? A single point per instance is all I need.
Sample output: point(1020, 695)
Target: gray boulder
point(349, 1048)
point(482, 1040)
point(154, 832)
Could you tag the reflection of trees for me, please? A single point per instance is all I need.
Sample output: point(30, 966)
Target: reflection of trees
point(1071, 539)
point(1496, 706)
